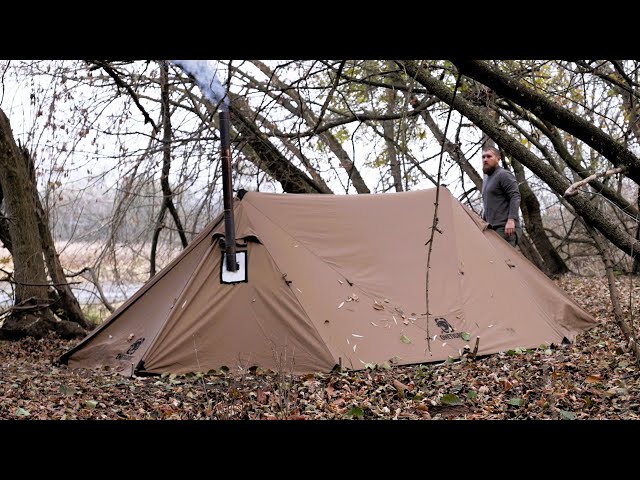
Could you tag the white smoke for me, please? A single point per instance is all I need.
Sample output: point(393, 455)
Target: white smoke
point(204, 74)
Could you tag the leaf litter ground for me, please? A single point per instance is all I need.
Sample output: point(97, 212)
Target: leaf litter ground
point(596, 377)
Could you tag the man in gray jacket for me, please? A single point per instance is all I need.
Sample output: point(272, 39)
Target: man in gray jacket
point(500, 197)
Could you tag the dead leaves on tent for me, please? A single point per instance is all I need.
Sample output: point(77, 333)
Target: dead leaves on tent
point(595, 378)
point(379, 304)
point(351, 298)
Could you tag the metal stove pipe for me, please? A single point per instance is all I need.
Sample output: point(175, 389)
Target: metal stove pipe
point(227, 192)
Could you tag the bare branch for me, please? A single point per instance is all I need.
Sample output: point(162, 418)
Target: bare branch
point(573, 188)
point(120, 83)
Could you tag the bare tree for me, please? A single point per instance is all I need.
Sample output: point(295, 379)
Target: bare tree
point(612, 231)
point(32, 312)
point(167, 194)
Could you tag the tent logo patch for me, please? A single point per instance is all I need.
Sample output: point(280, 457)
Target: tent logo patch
point(131, 350)
point(448, 332)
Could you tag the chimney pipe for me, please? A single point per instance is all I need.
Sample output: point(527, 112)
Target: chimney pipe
point(227, 192)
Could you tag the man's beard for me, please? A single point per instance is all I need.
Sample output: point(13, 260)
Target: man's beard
point(488, 169)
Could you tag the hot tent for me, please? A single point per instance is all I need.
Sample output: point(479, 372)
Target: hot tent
point(330, 280)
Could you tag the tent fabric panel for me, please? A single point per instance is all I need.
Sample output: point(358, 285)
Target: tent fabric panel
point(142, 319)
point(238, 325)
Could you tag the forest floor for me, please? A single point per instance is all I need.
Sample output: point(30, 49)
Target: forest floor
point(596, 377)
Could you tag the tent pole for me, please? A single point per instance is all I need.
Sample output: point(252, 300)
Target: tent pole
point(227, 192)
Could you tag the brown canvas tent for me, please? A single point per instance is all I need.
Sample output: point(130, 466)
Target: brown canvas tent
point(330, 280)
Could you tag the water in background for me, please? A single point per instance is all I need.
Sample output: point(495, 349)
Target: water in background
point(85, 292)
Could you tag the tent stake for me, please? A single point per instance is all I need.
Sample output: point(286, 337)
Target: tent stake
point(475, 349)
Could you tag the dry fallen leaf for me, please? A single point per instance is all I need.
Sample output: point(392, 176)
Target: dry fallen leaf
point(297, 417)
point(330, 391)
point(400, 387)
point(262, 396)
point(591, 378)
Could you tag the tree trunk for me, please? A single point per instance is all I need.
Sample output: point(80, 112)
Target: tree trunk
point(390, 134)
point(5, 236)
point(529, 251)
point(66, 304)
point(297, 152)
point(167, 194)
point(29, 273)
point(631, 107)
point(31, 314)
point(484, 98)
point(292, 179)
point(636, 260)
point(627, 330)
point(313, 121)
point(530, 207)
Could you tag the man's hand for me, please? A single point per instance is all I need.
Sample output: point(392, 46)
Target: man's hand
point(510, 227)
